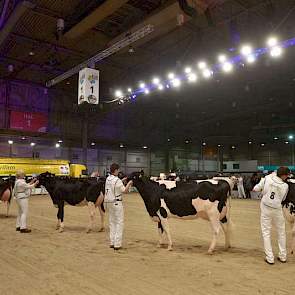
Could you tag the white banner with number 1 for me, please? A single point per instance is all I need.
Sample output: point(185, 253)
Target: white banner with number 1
point(88, 86)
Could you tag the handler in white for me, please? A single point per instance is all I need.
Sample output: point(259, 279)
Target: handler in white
point(274, 191)
point(240, 186)
point(114, 188)
point(21, 193)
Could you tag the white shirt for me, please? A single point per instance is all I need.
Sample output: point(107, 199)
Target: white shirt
point(22, 189)
point(240, 181)
point(274, 190)
point(114, 188)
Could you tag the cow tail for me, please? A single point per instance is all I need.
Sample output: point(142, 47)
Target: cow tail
point(228, 215)
point(102, 207)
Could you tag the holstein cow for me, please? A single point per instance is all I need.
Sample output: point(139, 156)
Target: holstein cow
point(6, 186)
point(207, 199)
point(289, 210)
point(75, 192)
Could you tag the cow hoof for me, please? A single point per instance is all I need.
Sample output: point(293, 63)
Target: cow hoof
point(292, 252)
point(169, 248)
point(88, 230)
point(101, 229)
point(210, 252)
point(61, 230)
point(57, 227)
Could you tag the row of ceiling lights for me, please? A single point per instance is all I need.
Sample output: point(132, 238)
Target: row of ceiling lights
point(225, 64)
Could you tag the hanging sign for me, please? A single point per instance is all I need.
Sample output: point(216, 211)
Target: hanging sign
point(88, 86)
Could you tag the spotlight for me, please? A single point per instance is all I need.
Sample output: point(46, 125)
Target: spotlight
point(60, 141)
point(251, 58)
point(222, 58)
point(202, 65)
point(146, 91)
point(249, 142)
point(33, 144)
point(286, 142)
point(118, 93)
point(167, 86)
point(144, 147)
point(207, 73)
point(129, 90)
point(168, 139)
point(121, 145)
point(291, 136)
point(31, 53)
point(10, 141)
point(187, 70)
point(92, 143)
point(142, 85)
point(57, 145)
point(233, 147)
point(263, 144)
point(204, 143)
point(156, 81)
point(219, 145)
point(160, 87)
point(171, 76)
point(187, 141)
point(275, 138)
point(192, 77)
point(176, 82)
point(276, 51)
point(272, 41)
point(227, 67)
point(23, 138)
point(246, 50)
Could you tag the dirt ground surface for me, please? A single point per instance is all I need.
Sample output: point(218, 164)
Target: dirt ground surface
point(74, 262)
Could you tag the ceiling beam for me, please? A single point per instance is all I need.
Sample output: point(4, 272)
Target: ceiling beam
point(18, 12)
point(100, 13)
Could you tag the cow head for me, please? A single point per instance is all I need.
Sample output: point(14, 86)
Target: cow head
point(45, 178)
point(135, 176)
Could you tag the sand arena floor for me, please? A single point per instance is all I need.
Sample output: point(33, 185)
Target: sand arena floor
point(47, 262)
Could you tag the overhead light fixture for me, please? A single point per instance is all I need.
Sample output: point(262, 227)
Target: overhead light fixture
point(144, 147)
point(204, 143)
point(286, 142)
point(176, 82)
point(171, 76)
point(192, 77)
point(156, 80)
point(10, 141)
point(275, 138)
point(57, 145)
point(222, 58)
point(92, 143)
point(219, 145)
point(31, 53)
point(272, 41)
point(291, 136)
point(121, 145)
point(146, 91)
point(276, 51)
point(187, 70)
point(118, 93)
point(202, 65)
point(129, 90)
point(233, 147)
point(227, 67)
point(207, 73)
point(249, 142)
point(187, 141)
point(262, 144)
point(246, 50)
point(68, 82)
point(250, 58)
point(23, 138)
point(142, 85)
point(160, 87)
point(168, 139)
point(32, 143)
point(60, 141)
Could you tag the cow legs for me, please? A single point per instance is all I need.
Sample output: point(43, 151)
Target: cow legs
point(7, 208)
point(60, 216)
point(161, 234)
point(165, 224)
point(91, 209)
point(226, 229)
point(215, 225)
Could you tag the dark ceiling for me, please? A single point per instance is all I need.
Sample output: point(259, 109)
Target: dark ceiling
point(255, 102)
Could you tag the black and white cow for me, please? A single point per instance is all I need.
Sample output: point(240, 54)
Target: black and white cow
point(76, 192)
point(289, 210)
point(6, 187)
point(207, 199)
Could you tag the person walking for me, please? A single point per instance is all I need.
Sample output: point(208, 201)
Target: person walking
point(240, 186)
point(274, 190)
point(114, 188)
point(21, 193)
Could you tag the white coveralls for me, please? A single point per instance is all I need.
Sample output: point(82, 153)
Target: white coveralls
point(114, 188)
point(21, 193)
point(274, 191)
point(241, 190)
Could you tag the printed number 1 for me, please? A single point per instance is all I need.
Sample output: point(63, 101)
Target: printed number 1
point(272, 195)
point(91, 89)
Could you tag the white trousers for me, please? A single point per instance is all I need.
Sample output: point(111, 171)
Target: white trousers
point(116, 221)
point(241, 192)
point(269, 215)
point(23, 207)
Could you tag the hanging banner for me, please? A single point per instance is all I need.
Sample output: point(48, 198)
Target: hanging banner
point(27, 121)
point(88, 86)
